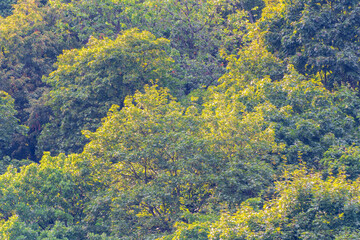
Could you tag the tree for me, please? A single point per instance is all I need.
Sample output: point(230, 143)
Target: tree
point(318, 37)
point(9, 126)
point(342, 157)
point(158, 162)
point(196, 30)
point(6, 7)
point(97, 18)
point(167, 160)
point(29, 45)
point(49, 199)
point(306, 206)
point(88, 81)
point(308, 118)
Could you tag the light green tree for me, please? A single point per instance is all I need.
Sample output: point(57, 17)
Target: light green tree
point(88, 81)
point(49, 199)
point(306, 207)
point(167, 160)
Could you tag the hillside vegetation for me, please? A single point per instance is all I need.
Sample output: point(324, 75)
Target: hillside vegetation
point(180, 119)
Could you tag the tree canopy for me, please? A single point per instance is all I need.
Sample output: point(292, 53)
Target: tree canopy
point(89, 80)
point(9, 127)
point(186, 119)
point(318, 37)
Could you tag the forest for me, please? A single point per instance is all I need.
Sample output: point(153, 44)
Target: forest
point(180, 119)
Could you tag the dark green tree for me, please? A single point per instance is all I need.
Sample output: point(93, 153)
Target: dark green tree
point(318, 37)
point(196, 30)
point(9, 126)
point(343, 157)
point(6, 7)
point(29, 45)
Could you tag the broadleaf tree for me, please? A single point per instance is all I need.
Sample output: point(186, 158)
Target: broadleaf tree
point(88, 81)
point(318, 37)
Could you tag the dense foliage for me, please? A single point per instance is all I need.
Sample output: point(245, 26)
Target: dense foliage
point(29, 45)
point(88, 81)
point(9, 126)
point(6, 7)
point(306, 207)
point(318, 37)
point(179, 119)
